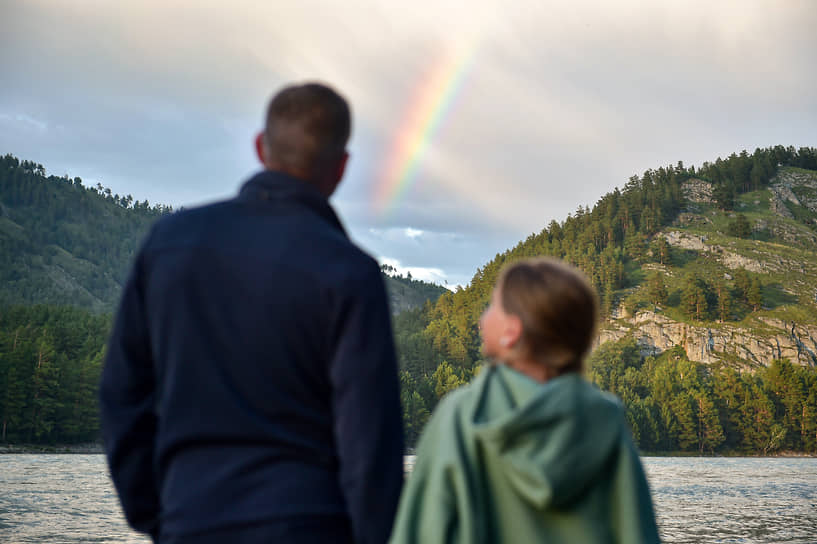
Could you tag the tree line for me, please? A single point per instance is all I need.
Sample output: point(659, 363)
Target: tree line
point(674, 404)
point(51, 359)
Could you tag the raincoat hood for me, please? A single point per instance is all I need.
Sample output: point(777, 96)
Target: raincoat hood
point(552, 440)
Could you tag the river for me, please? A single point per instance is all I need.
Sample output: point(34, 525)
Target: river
point(69, 499)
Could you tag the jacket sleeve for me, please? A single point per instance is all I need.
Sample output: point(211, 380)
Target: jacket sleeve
point(367, 417)
point(127, 408)
point(428, 511)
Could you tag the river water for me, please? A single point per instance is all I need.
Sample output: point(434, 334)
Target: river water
point(69, 499)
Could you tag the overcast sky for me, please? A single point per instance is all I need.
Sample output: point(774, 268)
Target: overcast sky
point(562, 101)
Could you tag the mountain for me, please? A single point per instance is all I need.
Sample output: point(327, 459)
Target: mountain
point(62, 243)
point(407, 293)
point(707, 279)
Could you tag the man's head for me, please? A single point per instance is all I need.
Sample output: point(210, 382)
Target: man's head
point(305, 135)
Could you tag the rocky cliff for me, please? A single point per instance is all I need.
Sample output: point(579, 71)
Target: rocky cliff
point(782, 253)
point(769, 339)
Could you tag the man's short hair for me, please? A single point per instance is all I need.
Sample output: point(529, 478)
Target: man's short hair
point(307, 128)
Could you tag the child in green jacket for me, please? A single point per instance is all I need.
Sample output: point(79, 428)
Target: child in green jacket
point(529, 451)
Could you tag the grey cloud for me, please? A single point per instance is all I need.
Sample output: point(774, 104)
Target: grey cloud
point(565, 100)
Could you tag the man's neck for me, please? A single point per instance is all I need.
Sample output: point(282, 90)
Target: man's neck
point(323, 187)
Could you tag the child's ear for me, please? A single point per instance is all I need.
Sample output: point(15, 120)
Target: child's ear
point(512, 332)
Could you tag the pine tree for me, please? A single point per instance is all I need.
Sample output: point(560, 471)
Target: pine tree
point(415, 412)
point(787, 387)
point(760, 431)
point(635, 245)
point(693, 297)
point(607, 299)
point(446, 379)
point(729, 391)
point(754, 296)
point(661, 250)
point(724, 301)
point(710, 432)
point(724, 194)
point(742, 282)
point(656, 289)
point(16, 423)
point(46, 389)
point(687, 429)
point(740, 227)
point(809, 430)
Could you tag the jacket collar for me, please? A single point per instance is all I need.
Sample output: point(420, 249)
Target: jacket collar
point(269, 185)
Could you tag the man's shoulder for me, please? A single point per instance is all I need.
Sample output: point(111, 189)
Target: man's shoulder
point(352, 268)
point(302, 241)
point(186, 220)
point(185, 217)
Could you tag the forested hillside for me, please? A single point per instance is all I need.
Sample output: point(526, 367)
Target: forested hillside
point(707, 279)
point(62, 242)
point(64, 252)
point(406, 293)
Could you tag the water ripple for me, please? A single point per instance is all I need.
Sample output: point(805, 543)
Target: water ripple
point(70, 499)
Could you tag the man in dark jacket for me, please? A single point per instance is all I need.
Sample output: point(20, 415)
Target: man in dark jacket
point(250, 389)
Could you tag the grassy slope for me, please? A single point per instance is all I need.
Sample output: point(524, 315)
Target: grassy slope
point(790, 265)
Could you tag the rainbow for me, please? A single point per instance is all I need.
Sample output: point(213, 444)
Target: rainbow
point(431, 101)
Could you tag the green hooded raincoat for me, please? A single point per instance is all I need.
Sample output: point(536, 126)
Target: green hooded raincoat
point(508, 459)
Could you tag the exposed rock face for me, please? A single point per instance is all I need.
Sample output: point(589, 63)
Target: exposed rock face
point(793, 234)
point(686, 241)
point(735, 261)
point(787, 185)
point(778, 205)
point(727, 258)
point(697, 190)
point(657, 333)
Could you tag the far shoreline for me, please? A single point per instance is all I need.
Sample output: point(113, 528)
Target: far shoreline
point(729, 455)
point(83, 448)
point(89, 448)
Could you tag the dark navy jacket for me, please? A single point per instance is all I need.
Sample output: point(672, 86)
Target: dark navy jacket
point(250, 375)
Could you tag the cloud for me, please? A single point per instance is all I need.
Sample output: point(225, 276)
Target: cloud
point(23, 122)
point(413, 233)
point(449, 251)
point(429, 274)
point(565, 100)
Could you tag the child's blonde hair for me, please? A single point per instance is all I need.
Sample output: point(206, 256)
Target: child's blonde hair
point(558, 308)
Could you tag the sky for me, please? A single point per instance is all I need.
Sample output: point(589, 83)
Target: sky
point(476, 122)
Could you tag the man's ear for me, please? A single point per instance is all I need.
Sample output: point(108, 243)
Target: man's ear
point(342, 166)
point(260, 148)
point(337, 175)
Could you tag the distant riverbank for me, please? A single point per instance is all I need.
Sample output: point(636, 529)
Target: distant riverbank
point(96, 447)
point(727, 454)
point(88, 447)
